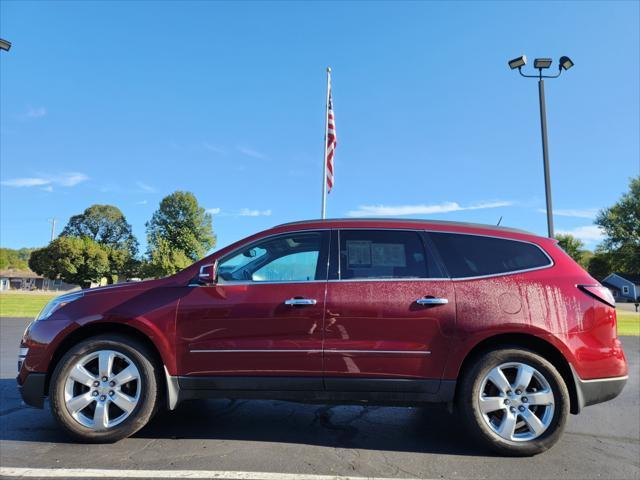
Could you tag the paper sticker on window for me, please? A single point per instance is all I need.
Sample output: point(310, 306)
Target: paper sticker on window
point(358, 253)
point(388, 255)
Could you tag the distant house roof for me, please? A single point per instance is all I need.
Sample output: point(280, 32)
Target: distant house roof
point(10, 273)
point(632, 278)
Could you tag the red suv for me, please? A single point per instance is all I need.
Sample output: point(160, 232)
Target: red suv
point(497, 323)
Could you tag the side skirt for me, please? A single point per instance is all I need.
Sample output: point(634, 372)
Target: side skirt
point(375, 391)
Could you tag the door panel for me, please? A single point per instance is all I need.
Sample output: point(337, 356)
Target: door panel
point(376, 333)
point(376, 329)
point(247, 329)
point(263, 317)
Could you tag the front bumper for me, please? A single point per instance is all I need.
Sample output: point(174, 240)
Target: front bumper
point(32, 389)
point(591, 392)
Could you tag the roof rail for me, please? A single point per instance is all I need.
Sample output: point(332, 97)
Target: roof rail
point(411, 220)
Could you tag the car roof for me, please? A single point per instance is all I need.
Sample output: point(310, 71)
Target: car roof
point(399, 222)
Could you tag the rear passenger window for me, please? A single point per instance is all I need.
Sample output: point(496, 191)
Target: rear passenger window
point(383, 254)
point(474, 255)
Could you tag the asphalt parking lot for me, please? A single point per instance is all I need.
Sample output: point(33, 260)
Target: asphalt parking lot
point(272, 437)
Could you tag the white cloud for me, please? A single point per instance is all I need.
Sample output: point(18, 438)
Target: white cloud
point(573, 212)
point(62, 180)
point(587, 233)
point(145, 187)
point(142, 202)
point(35, 112)
point(48, 188)
point(246, 212)
point(250, 152)
point(243, 212)
point(214, 148)
point(26, 182)
point(401, 210)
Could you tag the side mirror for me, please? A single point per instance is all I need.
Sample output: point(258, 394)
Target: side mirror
point(208, 273)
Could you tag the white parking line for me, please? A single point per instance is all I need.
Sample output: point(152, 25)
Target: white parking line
point(212, 474)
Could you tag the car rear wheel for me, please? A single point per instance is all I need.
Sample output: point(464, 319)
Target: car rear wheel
point(514, 401)
point(104, 389)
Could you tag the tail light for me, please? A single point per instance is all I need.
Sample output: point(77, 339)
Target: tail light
point(599, 293)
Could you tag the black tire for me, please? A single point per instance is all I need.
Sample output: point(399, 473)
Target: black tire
point(468, 394)
point(149, 389)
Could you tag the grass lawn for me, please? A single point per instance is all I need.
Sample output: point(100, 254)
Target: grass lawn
point(628, 322)
point(22, 304)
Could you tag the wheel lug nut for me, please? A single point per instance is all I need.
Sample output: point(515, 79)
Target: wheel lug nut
point(103, 397)
point(525, 399)
point(95, 394)
point(111, 393)
point(521, 408)
point(509, 392)
point(513, 410)
point(518, 392)
point(112, 383)
point(96, 383)
point(507, 401)
point(104, 379)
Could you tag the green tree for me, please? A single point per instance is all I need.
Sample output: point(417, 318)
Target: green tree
point(621, 224)
point(573, 246)
point(180, 229)
point(106, 225)
point(599, 265)
point(164, 260)
point(76, 260)
point(14, 259)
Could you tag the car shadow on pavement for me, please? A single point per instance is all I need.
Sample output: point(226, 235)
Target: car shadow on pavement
point(420, 429)
point(429, 429)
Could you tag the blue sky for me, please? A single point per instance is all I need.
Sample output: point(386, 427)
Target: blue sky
point(125, 102)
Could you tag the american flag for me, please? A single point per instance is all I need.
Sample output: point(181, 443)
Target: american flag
point(331, 142)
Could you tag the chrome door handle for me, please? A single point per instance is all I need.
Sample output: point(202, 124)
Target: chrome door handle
point(301, 301)
point(432, 301)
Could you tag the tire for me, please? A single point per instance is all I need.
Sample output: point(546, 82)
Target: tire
point(482, 389)
point(97, 411)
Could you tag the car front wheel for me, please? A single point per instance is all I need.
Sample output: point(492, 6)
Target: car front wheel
point(514, 401)
point(104, 389)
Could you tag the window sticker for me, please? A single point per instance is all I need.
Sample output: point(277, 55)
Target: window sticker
point(358, 253)
point(388, 255)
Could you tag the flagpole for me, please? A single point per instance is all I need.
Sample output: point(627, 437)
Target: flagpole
point(326, 135)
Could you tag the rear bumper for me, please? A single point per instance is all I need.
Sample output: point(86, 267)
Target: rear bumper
point(590, 392)
point(32, 389)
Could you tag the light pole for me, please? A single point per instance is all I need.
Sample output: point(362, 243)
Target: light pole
point(565, 63)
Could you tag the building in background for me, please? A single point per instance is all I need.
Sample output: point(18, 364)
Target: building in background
point(26, 280)
point(625, 288)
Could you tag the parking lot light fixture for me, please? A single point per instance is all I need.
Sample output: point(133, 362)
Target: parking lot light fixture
point(519, 62)
point(565, 63)
point(541, 64)
point(5, 45)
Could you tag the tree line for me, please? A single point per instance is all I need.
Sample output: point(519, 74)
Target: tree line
point(620, 250)
point(99, 243)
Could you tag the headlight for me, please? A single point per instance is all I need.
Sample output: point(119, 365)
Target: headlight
point(57, 303)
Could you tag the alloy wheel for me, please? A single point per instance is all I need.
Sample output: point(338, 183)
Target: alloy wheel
point(102, 389)
point(516, 402)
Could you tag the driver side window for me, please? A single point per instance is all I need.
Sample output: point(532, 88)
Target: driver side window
point(285, 258)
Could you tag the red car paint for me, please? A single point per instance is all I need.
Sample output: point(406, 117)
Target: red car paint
point(351, 317)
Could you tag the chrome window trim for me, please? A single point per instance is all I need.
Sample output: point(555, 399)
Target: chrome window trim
point(408, 279)
point(244, 245)
point(490, 275)
point(502, 274)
